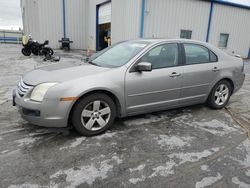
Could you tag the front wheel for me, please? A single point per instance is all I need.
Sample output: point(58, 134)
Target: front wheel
point(26, 52)
point(220, 95)
point(93, 114)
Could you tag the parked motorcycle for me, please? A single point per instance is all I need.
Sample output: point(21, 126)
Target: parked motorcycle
point(32, 46)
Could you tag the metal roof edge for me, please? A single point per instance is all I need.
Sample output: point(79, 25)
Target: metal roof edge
point(231, 4)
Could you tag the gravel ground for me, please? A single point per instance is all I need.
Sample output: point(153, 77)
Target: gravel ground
point(188, 147)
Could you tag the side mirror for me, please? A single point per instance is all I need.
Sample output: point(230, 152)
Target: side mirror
point(143, 66)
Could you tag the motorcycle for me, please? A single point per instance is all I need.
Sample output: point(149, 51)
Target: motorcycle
point(32, 46)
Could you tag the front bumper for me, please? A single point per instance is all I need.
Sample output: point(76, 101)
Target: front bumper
point(49, 113)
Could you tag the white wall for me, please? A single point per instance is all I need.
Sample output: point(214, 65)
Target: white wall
point(30, 17)
point(43, 20)
point(234, 21)
point(50, 22)
point(163, 18)
point(166, 18)
point(126, 18)
point(75, 11)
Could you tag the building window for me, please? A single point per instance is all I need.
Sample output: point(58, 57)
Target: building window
point(223, 40)
point(186, 34)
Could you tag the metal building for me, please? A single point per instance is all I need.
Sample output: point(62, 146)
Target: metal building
point(89, 23)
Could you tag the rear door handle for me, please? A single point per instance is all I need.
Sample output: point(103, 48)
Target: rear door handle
point(174, 74)
point(215, 69)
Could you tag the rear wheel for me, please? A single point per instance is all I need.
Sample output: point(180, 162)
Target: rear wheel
point(93, 114)
point(50, 51)
point(47, 51)
point(220, 94)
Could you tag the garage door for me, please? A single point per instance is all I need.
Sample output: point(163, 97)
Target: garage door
point(104, 13)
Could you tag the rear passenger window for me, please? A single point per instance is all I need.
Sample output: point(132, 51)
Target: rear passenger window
point(196, 54)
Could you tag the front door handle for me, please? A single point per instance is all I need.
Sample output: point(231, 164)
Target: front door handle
point(174, 74)
point(215, 69)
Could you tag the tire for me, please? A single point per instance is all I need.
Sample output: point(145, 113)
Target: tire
point(26, 52)
point(50, 51)
point(220, 95)
point(46, 51)
point(90, 117)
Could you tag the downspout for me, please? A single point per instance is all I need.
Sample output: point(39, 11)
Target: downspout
point(64, 19)
point(142, 18)
point(248, 54)
point(210, 20)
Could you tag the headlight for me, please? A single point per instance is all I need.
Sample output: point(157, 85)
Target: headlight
point(40, 90)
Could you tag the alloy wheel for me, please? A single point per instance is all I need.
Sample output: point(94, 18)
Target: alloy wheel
point(221, 94)
point(95, 115)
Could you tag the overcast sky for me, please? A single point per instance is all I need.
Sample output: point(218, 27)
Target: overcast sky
point(10, 14)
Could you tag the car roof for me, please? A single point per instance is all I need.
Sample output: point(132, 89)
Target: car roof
point(158, 40)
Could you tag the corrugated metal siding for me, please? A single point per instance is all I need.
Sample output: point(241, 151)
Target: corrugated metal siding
point(163, 18)
point(31, 19)
point(43, 20)
point(50, 21)
point(125, 18)
point(234, 21)
point(76, 23)
point(166, 18)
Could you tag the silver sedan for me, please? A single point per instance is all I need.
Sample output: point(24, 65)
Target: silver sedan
point(128, 78)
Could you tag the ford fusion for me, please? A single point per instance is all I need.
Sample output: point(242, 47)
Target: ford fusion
point(128, 78)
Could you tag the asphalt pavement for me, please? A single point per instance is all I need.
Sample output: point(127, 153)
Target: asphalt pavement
point(187, 147)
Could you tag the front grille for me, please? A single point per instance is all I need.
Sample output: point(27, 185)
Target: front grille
point(23, 88)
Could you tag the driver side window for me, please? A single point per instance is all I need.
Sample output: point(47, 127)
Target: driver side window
point(164, 55)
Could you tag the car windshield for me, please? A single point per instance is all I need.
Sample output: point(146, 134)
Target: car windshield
point(118, 54)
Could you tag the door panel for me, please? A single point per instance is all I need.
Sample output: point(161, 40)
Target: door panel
point(149, 91)
point(199, 74)
point(197, 81)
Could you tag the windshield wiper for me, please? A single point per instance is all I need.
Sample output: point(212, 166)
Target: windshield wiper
point(92, 63)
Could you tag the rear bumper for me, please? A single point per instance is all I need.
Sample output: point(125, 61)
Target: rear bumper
point(239, 82)
point(49, 113)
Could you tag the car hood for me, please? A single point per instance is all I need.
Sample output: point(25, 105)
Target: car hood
point(60, 72)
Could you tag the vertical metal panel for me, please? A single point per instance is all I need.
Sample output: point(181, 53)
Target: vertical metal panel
point(50, 21)
point(76, 23)
point(125, 20)
point(166, 18)
point(43, 20)
point(31, 26)
point(235, 22)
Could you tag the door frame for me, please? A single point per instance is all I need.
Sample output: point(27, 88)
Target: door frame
point(97, 22)
point(131, 70)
